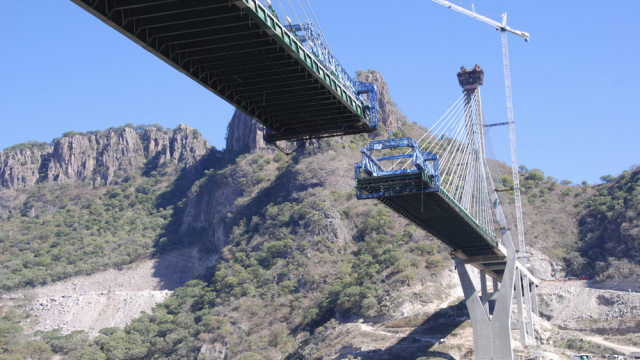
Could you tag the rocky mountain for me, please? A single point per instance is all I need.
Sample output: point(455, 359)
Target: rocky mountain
point(390, 115)
point(243, 134)
point(100, 158)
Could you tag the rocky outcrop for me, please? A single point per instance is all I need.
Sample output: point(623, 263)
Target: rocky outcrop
point(104, 157)
point(207, 213)
point(575, 305)
point(334, 230)
point(542, 266)
point(244, 134)
point(183, 145)
point(20, 168)
point(388, 112)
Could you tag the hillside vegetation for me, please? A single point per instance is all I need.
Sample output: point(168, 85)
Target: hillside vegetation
point(56, 230)
point(298, 251)
point(301, 249)
point(609, 244)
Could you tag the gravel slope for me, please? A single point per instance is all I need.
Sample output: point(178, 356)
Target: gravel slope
point(109, 298)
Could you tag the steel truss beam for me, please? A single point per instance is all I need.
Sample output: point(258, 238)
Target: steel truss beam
point(239, 51)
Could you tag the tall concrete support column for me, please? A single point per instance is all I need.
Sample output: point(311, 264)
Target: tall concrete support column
point(534, 299)
point(519, 301)
point(491, 334)
point(485, 293)
point(528, 309)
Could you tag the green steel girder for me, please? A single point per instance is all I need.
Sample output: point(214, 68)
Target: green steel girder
point(157, 9)
point(435, 214)
point(201, 24)
point(140, 3)
point(184, 18)
point(432, 209)
point(239, 51)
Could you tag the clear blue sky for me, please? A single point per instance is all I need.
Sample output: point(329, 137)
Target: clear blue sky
point(573, 84)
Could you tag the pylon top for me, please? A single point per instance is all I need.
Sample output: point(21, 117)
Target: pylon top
point(470, 79)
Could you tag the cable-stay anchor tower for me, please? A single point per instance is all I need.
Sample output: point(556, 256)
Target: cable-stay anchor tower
point(520, 244)
point(447, 188)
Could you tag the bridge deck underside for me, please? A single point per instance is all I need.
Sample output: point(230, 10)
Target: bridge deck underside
point(229, 51)
point(435, 213)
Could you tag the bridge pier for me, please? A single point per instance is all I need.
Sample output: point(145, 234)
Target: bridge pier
point(534, 300)
point(491, 332)
point(519, 301)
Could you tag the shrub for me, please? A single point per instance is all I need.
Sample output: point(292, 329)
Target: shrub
point(607, 179)
point(507, 181)
point(535, 176)
point(566, 192)
point(434, 263)
point(351, 299)
point(528, 185)
point(401, 266)
point(425, 249)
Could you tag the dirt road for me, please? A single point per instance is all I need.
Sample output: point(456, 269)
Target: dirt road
point(623, 349)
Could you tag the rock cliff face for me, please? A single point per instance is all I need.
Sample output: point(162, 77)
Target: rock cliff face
point(244, 134)
point(207, 212)
point(101, 158)
point(20, 168)
point(388, 111)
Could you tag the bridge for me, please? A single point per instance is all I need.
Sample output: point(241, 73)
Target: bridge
point(240, 51)
point(445, 184)
point(285, 77)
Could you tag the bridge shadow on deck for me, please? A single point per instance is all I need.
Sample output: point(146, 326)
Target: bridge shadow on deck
point(424, 340)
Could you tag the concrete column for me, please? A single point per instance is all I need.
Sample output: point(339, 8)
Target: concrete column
point(521, 324)
point(534, 299)
point(496, 287)
point(485, 292)
point(526, 292)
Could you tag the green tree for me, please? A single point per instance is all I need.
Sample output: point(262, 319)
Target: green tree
point(606, 179)
point(535, 176)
